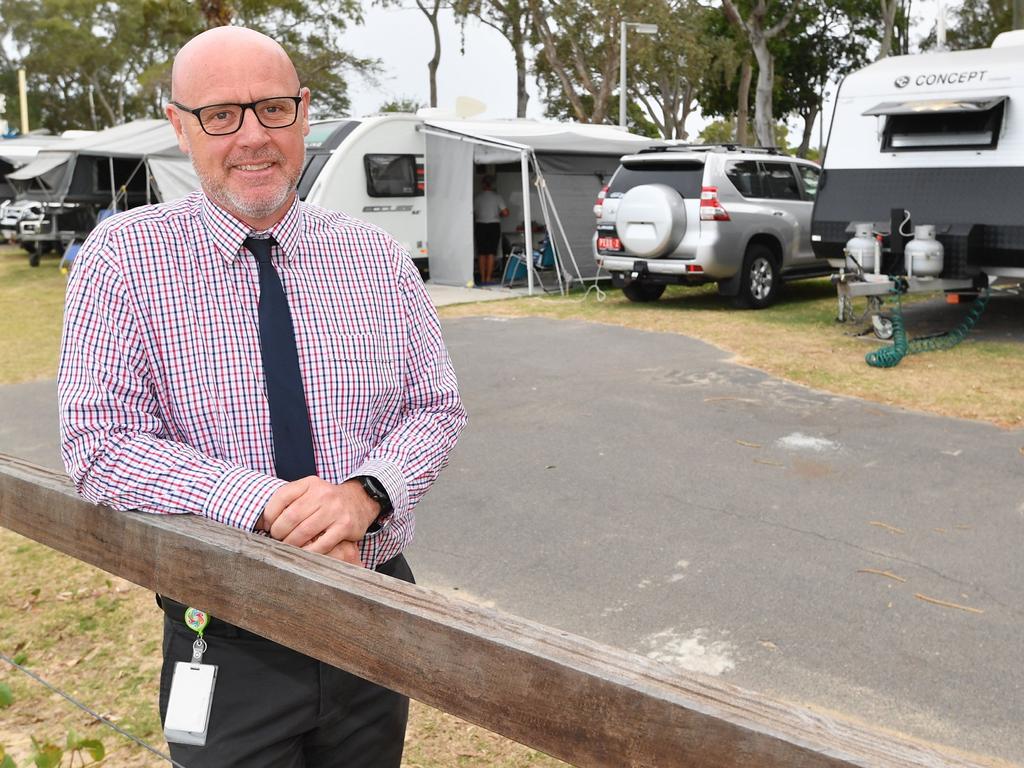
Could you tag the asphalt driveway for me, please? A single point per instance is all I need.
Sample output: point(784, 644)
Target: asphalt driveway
point(644, 491)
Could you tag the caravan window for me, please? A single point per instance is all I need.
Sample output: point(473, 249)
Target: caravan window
point(393, 176)
point(969, 129)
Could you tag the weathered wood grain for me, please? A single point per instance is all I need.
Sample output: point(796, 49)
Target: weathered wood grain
point(583, 702)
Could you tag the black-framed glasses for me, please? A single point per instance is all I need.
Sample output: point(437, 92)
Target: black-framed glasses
point(222, 119)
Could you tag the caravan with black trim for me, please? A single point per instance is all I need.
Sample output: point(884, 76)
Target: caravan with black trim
point(936, 141)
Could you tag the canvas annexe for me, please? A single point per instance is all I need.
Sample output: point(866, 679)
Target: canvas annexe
point(421, 175)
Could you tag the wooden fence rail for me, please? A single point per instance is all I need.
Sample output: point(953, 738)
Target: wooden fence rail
point(588, 704)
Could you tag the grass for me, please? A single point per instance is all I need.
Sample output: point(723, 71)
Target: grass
point(799, 340)
point(31, 301)
point(98, 637)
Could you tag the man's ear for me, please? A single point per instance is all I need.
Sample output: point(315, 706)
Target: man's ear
point(179, 130)
point(304, 93)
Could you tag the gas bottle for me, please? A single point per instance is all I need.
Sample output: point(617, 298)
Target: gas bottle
point(924, 254)
point(860, 249)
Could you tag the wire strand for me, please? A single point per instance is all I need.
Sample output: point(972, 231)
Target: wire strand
point(90, 712)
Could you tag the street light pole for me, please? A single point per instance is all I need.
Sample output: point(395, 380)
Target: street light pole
point(643, 29)
point(622, 75)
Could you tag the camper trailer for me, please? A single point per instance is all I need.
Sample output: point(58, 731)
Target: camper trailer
point(415, 176)
point(924, 171)
point(84, 178)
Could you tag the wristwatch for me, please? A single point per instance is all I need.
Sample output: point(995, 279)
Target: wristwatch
point(376, 491)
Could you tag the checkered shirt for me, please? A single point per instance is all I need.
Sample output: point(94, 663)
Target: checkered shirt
point(163, 406)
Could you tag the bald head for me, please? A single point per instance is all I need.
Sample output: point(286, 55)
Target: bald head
point(225, 57)
point(252, 171)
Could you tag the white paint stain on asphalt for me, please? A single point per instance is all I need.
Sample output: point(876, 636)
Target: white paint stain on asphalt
point(801, 442)
point(694, 653)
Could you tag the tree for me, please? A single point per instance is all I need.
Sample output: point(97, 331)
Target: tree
point(759, 35)
point(404, 104)
point(723, 85)
point(977, 22)
point(666, 70)
point(889, 8)
point(829, 39)
point(94, 64)
point(512, 19)
point(579, 43)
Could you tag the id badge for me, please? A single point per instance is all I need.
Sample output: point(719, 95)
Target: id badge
point(191, 699)
point(188, 710)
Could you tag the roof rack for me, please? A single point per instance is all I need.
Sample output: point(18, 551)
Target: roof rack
point(714, 148)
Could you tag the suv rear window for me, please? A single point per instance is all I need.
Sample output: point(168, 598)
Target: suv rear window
point(684, 178)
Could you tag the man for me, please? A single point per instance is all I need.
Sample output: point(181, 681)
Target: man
point(273, 366)
point(488, 210)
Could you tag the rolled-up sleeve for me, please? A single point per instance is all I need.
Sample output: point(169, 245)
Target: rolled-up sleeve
point(412, 454)
point(114, 441)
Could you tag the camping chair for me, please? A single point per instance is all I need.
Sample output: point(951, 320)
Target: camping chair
point(516, 264)
point(515, 267)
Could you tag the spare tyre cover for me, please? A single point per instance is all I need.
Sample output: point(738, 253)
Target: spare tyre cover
point(651, 220)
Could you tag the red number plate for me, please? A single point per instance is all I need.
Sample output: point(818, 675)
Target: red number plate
point(609, 244)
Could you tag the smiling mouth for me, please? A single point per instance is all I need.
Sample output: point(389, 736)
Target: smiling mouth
point(254, 167)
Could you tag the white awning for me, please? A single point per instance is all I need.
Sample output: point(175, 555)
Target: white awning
point(44, 163)
point(173, 176)
point(947, 105)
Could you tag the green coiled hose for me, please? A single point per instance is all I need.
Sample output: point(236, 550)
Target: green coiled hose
point(890, 356)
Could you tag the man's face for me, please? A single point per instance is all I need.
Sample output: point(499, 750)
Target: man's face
point(253, 172)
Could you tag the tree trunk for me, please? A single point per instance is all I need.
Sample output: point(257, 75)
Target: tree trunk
point(763, 117)
point(540, 23)
point(435, 62)
point(805, 141)
point(889, 8)
point(522, 97)
point(743, 100)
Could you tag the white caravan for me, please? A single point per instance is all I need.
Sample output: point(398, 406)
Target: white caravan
point(415, 176)
point(936, 141)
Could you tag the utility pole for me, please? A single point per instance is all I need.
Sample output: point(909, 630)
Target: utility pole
point(23, 101)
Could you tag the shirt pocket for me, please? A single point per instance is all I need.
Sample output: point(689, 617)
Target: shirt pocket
point(365, 391)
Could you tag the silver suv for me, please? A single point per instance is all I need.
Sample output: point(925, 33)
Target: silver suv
point(737, 216)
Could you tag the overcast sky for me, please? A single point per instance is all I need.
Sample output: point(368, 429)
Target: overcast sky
point(485, 70)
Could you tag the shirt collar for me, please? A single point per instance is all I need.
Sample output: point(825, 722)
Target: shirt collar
point(228, 233)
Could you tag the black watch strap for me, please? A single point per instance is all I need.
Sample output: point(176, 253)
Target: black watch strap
point(376, 491)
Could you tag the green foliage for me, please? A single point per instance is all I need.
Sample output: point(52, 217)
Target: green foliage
point(93, 64)
point(665, 69)
point(46, 755)
point(21, 658)
point(975, 24)
point(6, 697)
point(77, 744)
point(724, 132)
point(403, 104)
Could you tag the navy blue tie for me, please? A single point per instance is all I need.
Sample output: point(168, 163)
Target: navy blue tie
point(289, 417)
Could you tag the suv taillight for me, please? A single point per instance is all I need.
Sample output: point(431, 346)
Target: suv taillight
point(599, 203)
point(710, 208)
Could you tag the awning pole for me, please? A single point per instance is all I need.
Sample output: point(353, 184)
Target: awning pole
point(113, 185)
point(524, 163)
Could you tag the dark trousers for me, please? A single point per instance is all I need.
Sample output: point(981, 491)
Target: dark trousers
point(276, 708)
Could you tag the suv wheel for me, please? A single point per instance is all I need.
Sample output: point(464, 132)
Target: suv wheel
point(640, 291)
point(759, 282)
